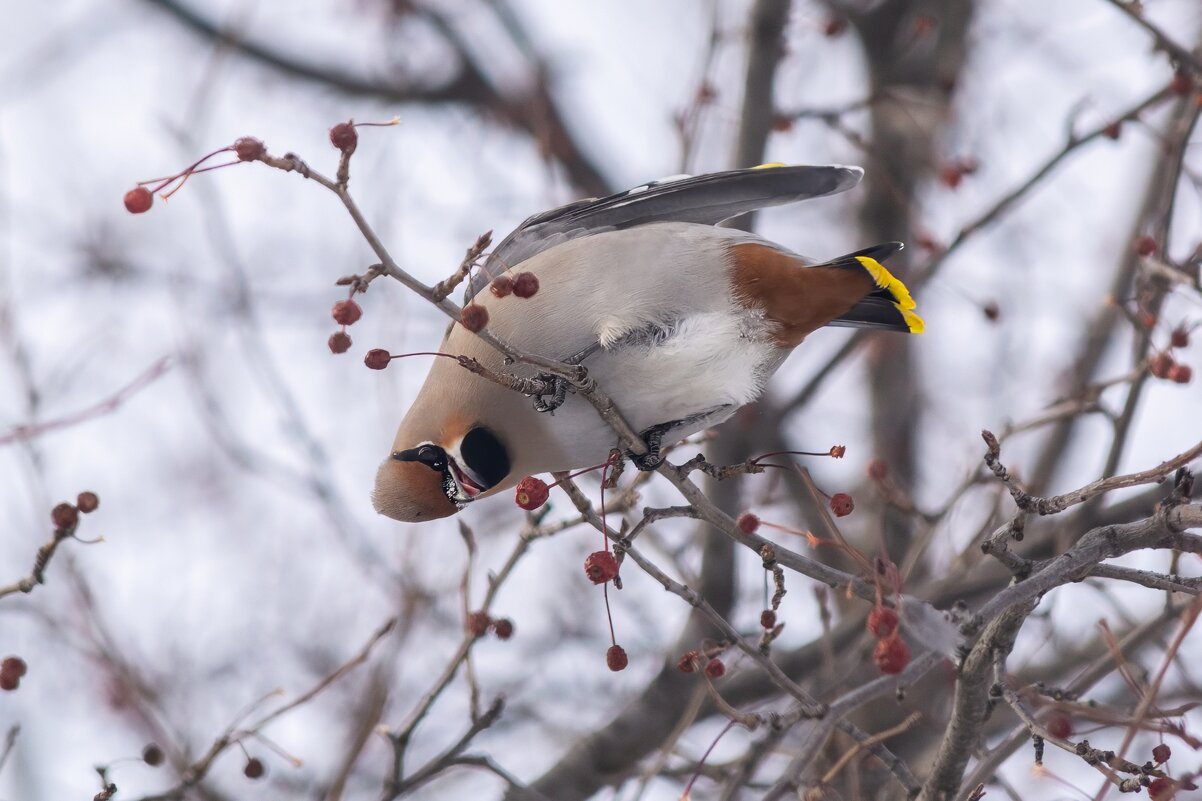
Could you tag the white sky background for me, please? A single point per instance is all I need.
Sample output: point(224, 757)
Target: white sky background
point(223, 582)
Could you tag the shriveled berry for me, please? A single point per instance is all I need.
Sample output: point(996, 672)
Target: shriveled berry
point(1059, 725)
point(87, 502)
point(377, 358)
point(715, 669)
point(64, 516)
point(531, 493)
point(747, 523)
point(878, 469)
point(525, 285)
point(503, 628)
point(346, 312)
point(15, 665)
point(1145, 245)
point(1161, 365)
point(255, 769)
point(891, 655)
point(249, 149)
point(1162, 753)
point(138, 200)
point(1179, 338)
point(615, 658)
point(473, 317)
point(344, 136)
point(1181, 374)
point(339, 342)
point(1113, 131)
point(991, 311)
point(9, 681)
point(501, 286)
point(768, 619)
point(1161, 789)
point(842, 504)
point(600, 567)
point(688, 662)
point(478, 623)
point(838, 451)
point(882, 622)
point(152, 755)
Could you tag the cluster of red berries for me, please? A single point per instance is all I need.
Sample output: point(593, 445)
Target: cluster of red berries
point(522, 285)
point(891, 654)
point(11, 671)
point(345, 312)
point(691, 661)
point(65, 516)
point(479, 623)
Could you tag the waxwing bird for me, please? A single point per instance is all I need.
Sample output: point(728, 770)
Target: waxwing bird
point(680, 321)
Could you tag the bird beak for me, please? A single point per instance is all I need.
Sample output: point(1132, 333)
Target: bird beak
point(468, 485)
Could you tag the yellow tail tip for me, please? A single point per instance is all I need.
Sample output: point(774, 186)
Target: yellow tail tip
point(769, 165)
point(901, 296)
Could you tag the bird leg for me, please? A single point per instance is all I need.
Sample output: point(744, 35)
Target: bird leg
point(560, 393)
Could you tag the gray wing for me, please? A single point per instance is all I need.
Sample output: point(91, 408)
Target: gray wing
point(703, 199)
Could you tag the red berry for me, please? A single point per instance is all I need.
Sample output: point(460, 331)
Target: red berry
point(473, 317)
point(768, 618)
point(715, 669)
point(616, 659)
point(87, 502)
point(600, 567)
point(1145, 245)
point(15, 665)
point(339, 342)
point(1161, 753)
point(9, 681)
point(991, 311)
point(951, 175)
point(346, 312)
point(138, 200)
point(478, 623)
point(377, 358)
point(927, 242)
point(878, 469)
point(254, 768)
point(531, 493)
point(503, 628)
point(834, 27)
point(891, 655)
point(838, 451)
point(882, 622)
point(1113, 131)
point(152, 755)
point(842, 504)
point(344, 136)
point(1161, 789)
point(525, 285)
point(249, 149)
point(747, 523)
point(1181, 374)
point(1161, 365)
point(64, 516)
point(782, 123)
point(501, 286)
point(1060, 726)
point(1182, 83)
point(1179, 338)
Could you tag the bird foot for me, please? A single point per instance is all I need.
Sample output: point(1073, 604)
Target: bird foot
point(652, 438)
point(554, 399)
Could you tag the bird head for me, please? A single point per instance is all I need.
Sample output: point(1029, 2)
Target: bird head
point(429, 479)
